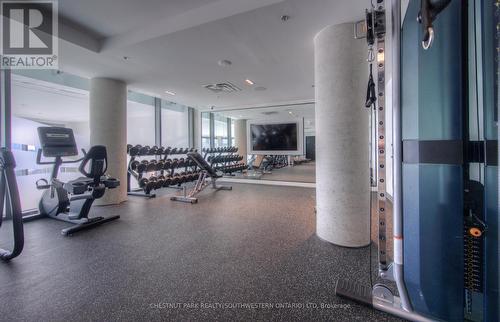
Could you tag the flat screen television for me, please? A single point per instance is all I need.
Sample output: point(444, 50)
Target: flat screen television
point(274, 137)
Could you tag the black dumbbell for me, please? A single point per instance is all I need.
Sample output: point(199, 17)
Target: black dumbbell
point(151, 183)
point(160, 182)
point(142, 166)
point(133, 165)
point(133, 151)
point(160, 165)
point(143, 183)
point(129, 146)
point(160, 151)
point(153, 150)
point(144, 150)
point(173, 151)
point(168, 181)
point(167, 164)
point(151, 166)
point(175, 163)
point(184, 177)
point(176, 179)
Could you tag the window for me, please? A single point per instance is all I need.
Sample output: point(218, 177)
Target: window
point(41, 98)
point(174, 125)
point(140, 119)
point(220, 127)
point(205, 130)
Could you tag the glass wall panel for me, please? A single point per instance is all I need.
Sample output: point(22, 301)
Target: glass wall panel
point(37, 102)
point(140, 119)
point(205, 130)
point(220, 129)
point(174, 125)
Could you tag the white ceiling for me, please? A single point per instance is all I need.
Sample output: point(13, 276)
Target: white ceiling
point(175, 45)
point(281, 113)
point(43, 101)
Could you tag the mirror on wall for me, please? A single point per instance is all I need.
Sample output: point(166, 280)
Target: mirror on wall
point(275, 143)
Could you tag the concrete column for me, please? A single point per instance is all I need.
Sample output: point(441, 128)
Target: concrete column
point(342, 174)
point(240, 138)
point(108, 127)
point(197, 129)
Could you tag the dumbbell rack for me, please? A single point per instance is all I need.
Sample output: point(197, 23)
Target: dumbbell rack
point(224, 159)
point(161, 165)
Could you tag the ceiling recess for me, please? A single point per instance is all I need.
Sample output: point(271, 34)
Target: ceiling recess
point(226, 87)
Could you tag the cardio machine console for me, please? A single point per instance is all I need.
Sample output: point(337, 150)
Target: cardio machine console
point(57, 142)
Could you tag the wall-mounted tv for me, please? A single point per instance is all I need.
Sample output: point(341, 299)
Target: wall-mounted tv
point(275, 137)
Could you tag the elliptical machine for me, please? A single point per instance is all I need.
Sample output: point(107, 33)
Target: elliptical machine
point(71, 201)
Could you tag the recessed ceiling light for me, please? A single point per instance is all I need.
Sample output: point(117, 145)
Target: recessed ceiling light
point(126, 57)
point(285, 18)
point(249, 82)
point(170, 93)
point(224, 63)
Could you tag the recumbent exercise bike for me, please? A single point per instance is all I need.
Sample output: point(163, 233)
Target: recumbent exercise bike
point(71, 201)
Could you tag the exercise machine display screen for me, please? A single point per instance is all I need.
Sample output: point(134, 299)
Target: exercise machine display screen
point(274, 137)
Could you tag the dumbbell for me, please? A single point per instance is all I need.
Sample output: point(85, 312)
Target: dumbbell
point(146, 184)
point(143, 182)
point(151, 183)
point(151, 166)
point(167, 164)
point(168, 181)
point(173, 151)
point(141, 167)
point(129, 146)
point(181, 163)
point(153, 150)
point(184, 177)
point(133, 165)
point(167, 150)
point(133, 151)
point(160, 151)
point(160, 182)
point(175, 163)
point(160, 165)
point(176, 179)
point(144, 150)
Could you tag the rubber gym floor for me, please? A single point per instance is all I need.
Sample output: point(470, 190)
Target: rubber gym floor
point(165, 260)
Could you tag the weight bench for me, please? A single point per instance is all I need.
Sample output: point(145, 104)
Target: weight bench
point(206, 172)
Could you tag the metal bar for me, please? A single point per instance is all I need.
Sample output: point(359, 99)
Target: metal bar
point(397, 143)
point(158, 124)
point(381, 145)
point(6, 109)
point(229, 134)
point(191, 127)
point(212, 131)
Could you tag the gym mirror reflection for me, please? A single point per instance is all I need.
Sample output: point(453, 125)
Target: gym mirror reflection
point(276, 142)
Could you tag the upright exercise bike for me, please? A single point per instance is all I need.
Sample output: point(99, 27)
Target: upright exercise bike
point(9, 196)
point(71, 201)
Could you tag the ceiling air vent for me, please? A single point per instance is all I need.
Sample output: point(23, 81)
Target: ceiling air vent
point(226, 87)
point(270, 113)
